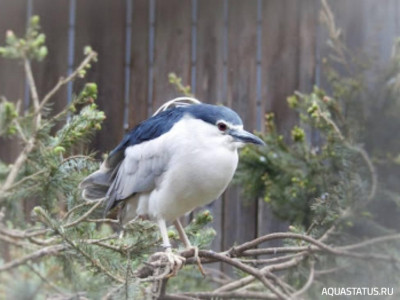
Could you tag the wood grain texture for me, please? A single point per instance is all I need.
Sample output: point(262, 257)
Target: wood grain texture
point(280, 58)
point(210, 30)
point(240, 218)
point(209, 68)
point(12, 77)
point(12, 81)
point(139, 63)
point(288, 62)
point(54, 23)
point(368, 27)
point(101, 24)
point(293, 44)
point(172, 48)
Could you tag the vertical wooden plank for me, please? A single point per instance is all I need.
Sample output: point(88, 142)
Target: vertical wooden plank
point(240, 218)
point(210, 51)
point(209, 77)
point(368, 28)
point(280, 59)
point(12, 81)
point(308, 26)
point(54, 22)
point(349, 19)
point(172, 48)
point(139, 62)
point(288, 62)
point(12, 77)
point(382, 28)
point(101, 24)
point(280, 63)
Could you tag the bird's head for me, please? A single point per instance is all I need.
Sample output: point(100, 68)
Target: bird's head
point(226, 121)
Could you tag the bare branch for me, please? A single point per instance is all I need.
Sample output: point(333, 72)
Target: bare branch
point(44, 279)
point(11, 241)
point(32, 85)
point(280, 235)
point(47, 251)
point(84, 216)
point(372, 241)
point(62, 81)
point(17, 166)
point(308, 283)
point(252, 271)
point(221, 295)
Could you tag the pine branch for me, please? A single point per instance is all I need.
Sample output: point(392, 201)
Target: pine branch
point(91, 56)
point(38, 106)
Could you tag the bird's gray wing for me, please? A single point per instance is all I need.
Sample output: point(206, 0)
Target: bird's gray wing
point(139, 172)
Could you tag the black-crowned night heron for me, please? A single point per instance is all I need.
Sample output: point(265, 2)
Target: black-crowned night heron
point(181, 158)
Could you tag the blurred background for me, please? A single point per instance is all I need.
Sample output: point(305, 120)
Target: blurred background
point(249, 55)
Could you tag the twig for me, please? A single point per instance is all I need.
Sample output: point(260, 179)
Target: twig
point(94, 241)
point(272, 260)
point(371, 242)
point(44, 279)
point(328, 271)
point(106, 220)
point(12, 241)
point(371, 169)
point(249, 279)
point(222, 295)
point(94, 262)
point(279, 235)
point(309, 282)
point(62, 81)
point(52, 250)
point(362, 152)
point(38, 106)
point(23, 234)
point(75, 208)
point(84, 216)
point(20, 131)
point(273, 250)
point(178, 297)
point(26, 178)
point(17, 166)
point(220, 276)
point(48, 242)
point(32, 86)
point(237, 264)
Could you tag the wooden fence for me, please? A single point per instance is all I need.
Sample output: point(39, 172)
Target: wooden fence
point(249, 55)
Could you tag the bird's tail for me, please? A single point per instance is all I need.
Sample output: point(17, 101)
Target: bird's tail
point(96, 185)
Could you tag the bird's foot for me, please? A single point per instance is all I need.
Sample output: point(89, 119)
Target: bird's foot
point(172, 262)
point(197, 259)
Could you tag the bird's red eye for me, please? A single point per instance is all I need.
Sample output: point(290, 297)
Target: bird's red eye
point(222, 126)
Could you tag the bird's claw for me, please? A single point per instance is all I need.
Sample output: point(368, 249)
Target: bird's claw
point(176, 262)
point(197, 259)
point(173, 262)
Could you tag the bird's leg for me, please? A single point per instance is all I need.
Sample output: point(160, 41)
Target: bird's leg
point(176, 261)
point(188, 245)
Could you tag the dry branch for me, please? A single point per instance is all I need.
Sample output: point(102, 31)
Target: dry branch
point(275, 286)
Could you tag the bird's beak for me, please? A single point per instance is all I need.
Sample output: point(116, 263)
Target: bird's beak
point(244, 136)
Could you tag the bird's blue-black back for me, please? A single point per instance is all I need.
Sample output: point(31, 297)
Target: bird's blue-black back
point(163, 122)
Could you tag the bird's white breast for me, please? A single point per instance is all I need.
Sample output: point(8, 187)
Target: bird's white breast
point(202, 163)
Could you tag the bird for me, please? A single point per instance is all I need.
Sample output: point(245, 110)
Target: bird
point(181, 158)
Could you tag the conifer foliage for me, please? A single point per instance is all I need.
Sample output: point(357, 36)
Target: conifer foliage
point(62, 247)
point(325, 180)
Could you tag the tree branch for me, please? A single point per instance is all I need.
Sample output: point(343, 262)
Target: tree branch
point(47, 251)
point(62, 81)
